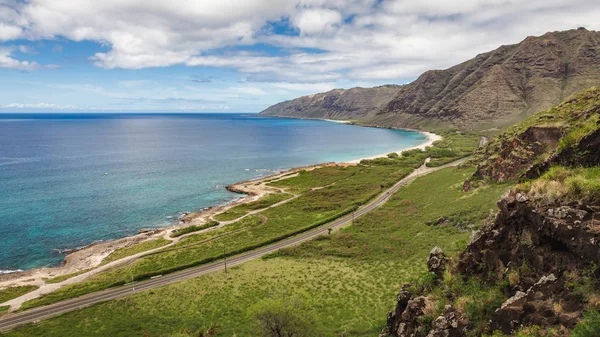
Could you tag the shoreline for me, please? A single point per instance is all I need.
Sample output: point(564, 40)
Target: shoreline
point(91, 256)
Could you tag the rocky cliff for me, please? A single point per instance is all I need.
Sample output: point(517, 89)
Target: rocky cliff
point(494, 89)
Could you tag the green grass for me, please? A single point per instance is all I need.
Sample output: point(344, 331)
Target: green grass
point(135, 249)
point(61, 278)
point(313, 208)
point(194, 228)
point(240, 210)
point(589, 326)
point(8, 294)
point(349, 278)
point(453, 146)
point(327, 193)
point(4, 309)
point(306, 180)
point(565, 185)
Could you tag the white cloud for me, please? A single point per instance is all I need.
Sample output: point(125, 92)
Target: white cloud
point(359, 39)
point(313, 21)
point(8, 62)
point(50, 106)
point(304, 87)
point(27, 49)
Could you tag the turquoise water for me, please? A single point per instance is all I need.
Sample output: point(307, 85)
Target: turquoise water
point(69, 180)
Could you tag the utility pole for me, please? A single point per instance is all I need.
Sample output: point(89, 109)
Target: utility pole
point(352, 218)
point(225, 259)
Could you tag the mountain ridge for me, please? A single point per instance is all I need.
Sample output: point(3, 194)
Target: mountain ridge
point(493, 89)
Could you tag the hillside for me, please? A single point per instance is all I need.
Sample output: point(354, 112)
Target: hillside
point(566, 134)
point(532, 269)
point(494, 89)
point(353, 103)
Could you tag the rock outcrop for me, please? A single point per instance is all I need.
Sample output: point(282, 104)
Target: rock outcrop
point(437, 261)
point(541, 249)
point(494, 89)
point(568, 135)
point(545, 247)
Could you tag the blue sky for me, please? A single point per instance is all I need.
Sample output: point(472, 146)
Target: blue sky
point(244, 55)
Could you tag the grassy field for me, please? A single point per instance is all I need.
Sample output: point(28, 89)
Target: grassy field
point(194, 228)
point(61, 278)
point(326, 194)
point(8, 294)
point(134, 249)
point(240, 210)
point(312, 208)
point(349, 279)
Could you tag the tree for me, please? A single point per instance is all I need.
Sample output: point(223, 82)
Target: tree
point(283, 318)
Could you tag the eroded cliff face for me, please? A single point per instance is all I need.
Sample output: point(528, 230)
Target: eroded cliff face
point(568, 135)
point(517, 155)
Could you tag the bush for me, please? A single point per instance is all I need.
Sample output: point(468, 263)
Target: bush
point(195, 228)
point(589, 326)
point(283, 318)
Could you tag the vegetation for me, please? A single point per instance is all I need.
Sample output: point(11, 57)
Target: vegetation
point(348, 279)
point(61, 278)
point(311, 209)
point(241, 209)
point(589, 326)
point(135, 249)
point(8, 294)
point(4, 309)
point(283, 318)
point(565, 125)
point(454, 145)
point(194, 228)
point(565, 185)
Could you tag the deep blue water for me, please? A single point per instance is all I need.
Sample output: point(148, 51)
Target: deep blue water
point(69, 180)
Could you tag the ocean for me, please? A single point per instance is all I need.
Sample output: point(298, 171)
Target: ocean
point(68, 180)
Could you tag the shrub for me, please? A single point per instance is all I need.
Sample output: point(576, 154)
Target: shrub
point(282, 318)
point(589, 326)
point(194, 228)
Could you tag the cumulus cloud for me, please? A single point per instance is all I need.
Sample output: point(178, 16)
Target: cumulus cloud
point(324, 40)
point(314, 21)
point(8, 62)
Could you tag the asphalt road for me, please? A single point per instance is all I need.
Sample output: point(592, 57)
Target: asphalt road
point(10, 321)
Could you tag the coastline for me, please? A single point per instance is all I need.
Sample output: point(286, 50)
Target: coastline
point(91, 256)
point(431, 138)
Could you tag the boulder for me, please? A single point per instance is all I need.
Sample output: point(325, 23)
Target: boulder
point(437, 262)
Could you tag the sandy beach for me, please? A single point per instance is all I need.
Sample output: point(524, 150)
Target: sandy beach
point(431, 138)
point(91, 257)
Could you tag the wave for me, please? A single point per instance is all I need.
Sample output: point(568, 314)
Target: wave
point(3, 272)
point(13, 160)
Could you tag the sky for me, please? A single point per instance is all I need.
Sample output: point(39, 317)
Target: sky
point(245, 55)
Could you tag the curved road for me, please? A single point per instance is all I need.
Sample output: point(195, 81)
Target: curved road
point(11, 321)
